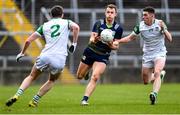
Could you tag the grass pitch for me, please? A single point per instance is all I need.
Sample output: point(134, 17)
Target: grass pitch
point(107, 99)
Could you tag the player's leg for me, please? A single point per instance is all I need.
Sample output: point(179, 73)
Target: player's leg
point(25, 84)
point(44, 89)
point(158, 67)
point(147, 75)
point(29, 79)
point(147, 69)
point(97, 70)
point(85, 64)
point(83, 70)
point(55, 65)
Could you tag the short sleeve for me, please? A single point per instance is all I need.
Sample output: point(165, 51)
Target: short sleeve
point(136, 29)
point(96, 27)
point(119, 33)
point(40, 30)
point(70, 22)
point(120, 30)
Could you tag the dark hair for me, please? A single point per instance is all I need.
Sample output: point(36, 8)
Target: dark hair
point(111, 6)
point(149, 9)
point(56, 11)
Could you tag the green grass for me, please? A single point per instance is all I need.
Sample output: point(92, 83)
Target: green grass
point(114, 99)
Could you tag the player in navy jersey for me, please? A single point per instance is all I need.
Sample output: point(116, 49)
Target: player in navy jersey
point(96, 54)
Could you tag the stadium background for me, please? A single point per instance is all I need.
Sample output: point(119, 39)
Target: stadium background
point(19, 18)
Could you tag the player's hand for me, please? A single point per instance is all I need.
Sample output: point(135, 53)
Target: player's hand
point(95, 39)
point(72, 48)
point(162, 25)
point(19, 56)
point(114, 45)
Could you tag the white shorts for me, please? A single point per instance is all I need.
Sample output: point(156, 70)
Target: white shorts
point(148, 60)
point(53, 63)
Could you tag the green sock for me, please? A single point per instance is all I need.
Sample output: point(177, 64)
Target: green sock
point(19, 92)
point(155, 93)
point(36, 98)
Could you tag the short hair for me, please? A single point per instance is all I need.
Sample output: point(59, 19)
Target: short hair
point(149, 9)
point(112, 6)
point(56, 11)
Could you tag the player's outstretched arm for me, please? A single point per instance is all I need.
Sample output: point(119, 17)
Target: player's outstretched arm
point(127, 39)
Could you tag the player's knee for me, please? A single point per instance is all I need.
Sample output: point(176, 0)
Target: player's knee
point(157, 74)
point(53, 78)
point(95, 77)
point(50, 81)
point(32, 77)
point(145, 82)
point(79, 76)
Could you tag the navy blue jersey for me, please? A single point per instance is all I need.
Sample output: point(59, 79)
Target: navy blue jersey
point(98, 27)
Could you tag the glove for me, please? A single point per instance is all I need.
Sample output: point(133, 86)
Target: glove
point(72, 48)
point(19, 56)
